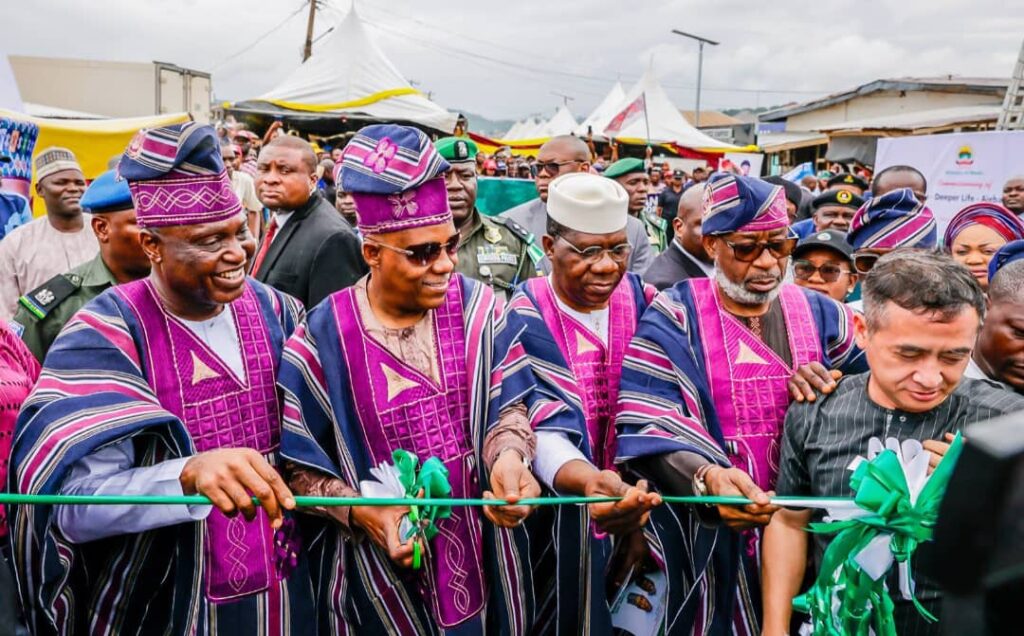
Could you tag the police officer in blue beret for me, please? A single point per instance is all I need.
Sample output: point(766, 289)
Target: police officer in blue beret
point(43, 311)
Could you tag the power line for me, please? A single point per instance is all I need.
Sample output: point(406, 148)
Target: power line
point(472, 55)
point(250, 46)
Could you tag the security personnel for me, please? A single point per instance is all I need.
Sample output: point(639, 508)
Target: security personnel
point(851, 182)
point(831, 210)
point(632, 175)
point(43, 311)
point(497, 251)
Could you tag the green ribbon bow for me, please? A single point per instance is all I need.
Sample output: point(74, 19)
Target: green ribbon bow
point(429, 482)
point(844, 599)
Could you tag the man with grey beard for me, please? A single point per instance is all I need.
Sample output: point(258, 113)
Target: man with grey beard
point(704, 394)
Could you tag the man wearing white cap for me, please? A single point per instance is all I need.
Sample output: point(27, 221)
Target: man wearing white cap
point(572, 329)
point(62, 240)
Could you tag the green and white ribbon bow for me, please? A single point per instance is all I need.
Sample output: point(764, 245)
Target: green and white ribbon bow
point(897, 505)
point(401, 480)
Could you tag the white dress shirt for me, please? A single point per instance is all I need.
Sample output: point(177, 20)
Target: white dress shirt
point(109, 470)
point(554, 450)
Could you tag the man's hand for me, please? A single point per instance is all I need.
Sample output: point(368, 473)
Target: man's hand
point(811, 377)
point(511, 480)
point(632, 554)
point(620, 517)
point(381, 524)
point(231, 477)
point(735, 482)
point(937, 450)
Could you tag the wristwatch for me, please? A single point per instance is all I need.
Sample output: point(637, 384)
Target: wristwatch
point(700, 488)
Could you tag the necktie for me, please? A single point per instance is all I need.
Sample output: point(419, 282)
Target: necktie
point(264, 247)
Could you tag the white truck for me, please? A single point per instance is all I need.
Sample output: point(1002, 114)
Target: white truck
point(113, 89)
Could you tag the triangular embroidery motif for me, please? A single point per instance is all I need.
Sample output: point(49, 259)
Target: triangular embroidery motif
point(746, 355)
point(396, 383)
point(583, 345)
point(201, 371)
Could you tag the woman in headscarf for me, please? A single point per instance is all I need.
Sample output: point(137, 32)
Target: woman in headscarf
point(975, 234)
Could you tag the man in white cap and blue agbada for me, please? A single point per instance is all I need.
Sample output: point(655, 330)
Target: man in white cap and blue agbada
point(165, 386)
point(572, 329)
point(705, 388)
point(403, 361)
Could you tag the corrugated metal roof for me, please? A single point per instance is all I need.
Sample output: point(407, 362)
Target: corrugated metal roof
point(984, 85)
point(777, 142)
point(920, 119)
point(710, 118)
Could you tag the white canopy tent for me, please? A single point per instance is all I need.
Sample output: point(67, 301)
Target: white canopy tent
point(563, 122)
point(349, 75)
point(649, 114)
point(607, 109)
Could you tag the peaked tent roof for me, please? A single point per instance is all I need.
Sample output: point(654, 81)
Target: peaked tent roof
point(605, 110)
point(513, 132)
point(563, 122)
point(667, 124)
point(349, 74)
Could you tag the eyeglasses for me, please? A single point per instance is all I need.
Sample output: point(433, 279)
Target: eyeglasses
point(864, 262)
point(829, 272)
point(554, 167)
point(594, 253)
point(423, 254)
point(750, 252)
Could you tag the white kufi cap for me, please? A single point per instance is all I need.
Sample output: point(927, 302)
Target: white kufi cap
point(588, 203)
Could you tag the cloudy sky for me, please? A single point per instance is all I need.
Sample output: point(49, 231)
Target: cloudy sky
point(509, 59)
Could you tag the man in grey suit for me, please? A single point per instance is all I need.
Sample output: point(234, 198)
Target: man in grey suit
point(685, 256)
point(561, 155)
point(309, 250)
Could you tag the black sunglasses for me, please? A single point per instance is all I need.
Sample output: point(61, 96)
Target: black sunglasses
point(750, 252)
point(554, 167)
point(829, 272)
point(864, 262)
point(423, 254)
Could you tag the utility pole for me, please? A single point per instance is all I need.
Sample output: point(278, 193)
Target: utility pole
point(307, 50)
point(700, 65)
point(565, 98)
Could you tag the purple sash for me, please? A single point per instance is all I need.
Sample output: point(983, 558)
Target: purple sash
point(748, 380)
point(219, 411)
point(595, 367)
point(400, 408)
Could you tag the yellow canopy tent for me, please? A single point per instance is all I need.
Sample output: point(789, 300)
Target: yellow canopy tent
point(95, 141)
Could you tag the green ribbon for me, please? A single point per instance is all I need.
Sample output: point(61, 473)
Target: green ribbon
point(864, 603)
point(429, 483)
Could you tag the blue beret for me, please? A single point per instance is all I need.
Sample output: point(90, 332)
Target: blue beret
point(107, 193)
point(1012, 251)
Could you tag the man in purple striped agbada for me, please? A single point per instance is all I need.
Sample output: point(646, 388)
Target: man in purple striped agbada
point(704, 394)
point(165, 386)
point(403, 361)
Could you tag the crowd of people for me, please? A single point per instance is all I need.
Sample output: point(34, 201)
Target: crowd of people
point(256, 319)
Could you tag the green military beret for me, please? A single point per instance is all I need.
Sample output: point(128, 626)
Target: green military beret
point(456, 149)
point(625, 166)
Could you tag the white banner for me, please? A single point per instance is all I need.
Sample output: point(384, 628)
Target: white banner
point(961, 168)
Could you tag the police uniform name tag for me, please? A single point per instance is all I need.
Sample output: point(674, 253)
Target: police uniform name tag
point(495, 255)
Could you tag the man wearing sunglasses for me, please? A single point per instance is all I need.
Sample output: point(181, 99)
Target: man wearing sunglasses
point(402, 361)
point(704, 394)
point(562, 155)
point(573, 328)
point(496, 251)
point(823, 262)
point(895, 220)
